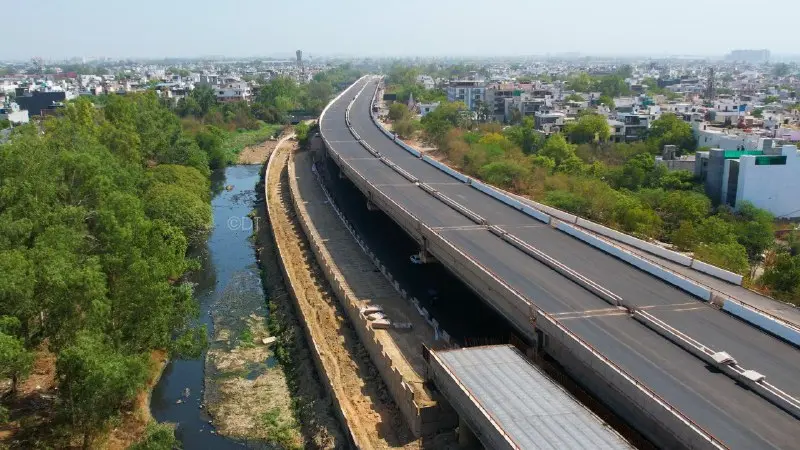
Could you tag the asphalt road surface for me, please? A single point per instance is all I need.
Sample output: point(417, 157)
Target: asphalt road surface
point(733, 414)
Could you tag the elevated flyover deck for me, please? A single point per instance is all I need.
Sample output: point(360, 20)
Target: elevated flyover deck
point(509, 403)
point(730, 413)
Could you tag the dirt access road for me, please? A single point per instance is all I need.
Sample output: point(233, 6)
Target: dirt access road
point(258, 154)
point(375, 420)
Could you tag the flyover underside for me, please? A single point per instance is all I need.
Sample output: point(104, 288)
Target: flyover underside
point(736, 415)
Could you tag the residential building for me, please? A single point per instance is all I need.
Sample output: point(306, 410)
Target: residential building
point(426, 81)
point(550, 122)
point(12, 112)
point(636, 125)
point(238, 91)
point(769, 178)
point(471, 92)
point(426, 108)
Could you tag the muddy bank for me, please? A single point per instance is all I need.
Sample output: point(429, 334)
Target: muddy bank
point(246, 392)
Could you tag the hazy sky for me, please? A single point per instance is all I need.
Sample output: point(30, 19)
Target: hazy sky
point(171, 28)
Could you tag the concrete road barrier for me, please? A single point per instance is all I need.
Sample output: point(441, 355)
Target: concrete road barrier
point(653, 269)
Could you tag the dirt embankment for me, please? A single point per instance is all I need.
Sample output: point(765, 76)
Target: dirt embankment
point(375, 420)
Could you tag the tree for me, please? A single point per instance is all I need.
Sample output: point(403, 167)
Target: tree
point(205, 99)
point(557, 149)
point(780, 70)
point(670, 130)
point(758, 113)
point(405, 128)
point(398, 111)
point(783, 277)
point(158, 436)
point(607, 100)
point(589, 128)
point(16, 361)
point(754, 229)
point(210, 140)
point(504, 173)
point(301, 131)
point(771, 99)
point(525, 136)
point(729, 255)
point(581, 82)
point(575, 98)
point(180, 208)
point(95, 382)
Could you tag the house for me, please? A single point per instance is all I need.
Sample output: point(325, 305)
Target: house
point(636, 125)
point(238, 91)
point(12, 112)
point(550, 122)
point(768, 178)
point(426, 108)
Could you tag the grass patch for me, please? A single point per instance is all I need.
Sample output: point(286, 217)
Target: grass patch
point(281, 430)
point(236, 141)
point(246, 338)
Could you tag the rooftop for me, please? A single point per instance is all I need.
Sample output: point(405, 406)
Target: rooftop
point(531, 408)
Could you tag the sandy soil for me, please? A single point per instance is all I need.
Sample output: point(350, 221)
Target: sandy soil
point(257, 154)
point(376, 422)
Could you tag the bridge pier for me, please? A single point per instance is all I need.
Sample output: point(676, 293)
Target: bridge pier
point(466, 437)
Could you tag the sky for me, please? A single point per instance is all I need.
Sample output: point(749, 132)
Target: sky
point(55, 29)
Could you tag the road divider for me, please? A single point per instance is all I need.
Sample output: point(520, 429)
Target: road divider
point(589, 285)
point(722, 361)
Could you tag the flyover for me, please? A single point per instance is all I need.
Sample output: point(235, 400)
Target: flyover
point(508, 403)
point(668, 393)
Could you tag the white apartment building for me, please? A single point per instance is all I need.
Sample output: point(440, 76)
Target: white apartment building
point(238, 91)
point(471, 92)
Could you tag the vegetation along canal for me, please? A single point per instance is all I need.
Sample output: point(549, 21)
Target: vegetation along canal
point(227, 255)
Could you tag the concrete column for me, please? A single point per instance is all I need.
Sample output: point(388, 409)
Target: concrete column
point(466, 438)
point(425, 257)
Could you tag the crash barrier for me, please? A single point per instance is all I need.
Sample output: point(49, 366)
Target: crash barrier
point(674, 426)
point(724, 362)
point(653, 269)
point(779, 328)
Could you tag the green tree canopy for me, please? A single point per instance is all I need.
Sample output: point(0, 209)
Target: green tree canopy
point(589, 128)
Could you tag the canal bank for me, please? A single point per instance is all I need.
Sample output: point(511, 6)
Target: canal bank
point(237, 378)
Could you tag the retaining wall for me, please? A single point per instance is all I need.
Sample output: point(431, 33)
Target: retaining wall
point(316, 354)
point(409, 399)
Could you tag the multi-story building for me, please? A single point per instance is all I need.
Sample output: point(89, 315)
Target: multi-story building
point(237, 91)
point(496, 96)
point(471, 92)
point(636, 125)
point(768, 178)
point(550, 122)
